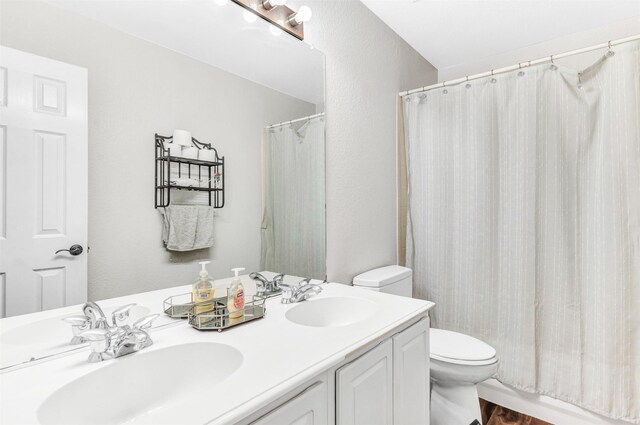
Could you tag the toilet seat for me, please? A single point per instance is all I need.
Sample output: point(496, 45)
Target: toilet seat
point(457, 348)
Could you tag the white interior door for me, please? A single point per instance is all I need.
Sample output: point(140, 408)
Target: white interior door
point(43, 183)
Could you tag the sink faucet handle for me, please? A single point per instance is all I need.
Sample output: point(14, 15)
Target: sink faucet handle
point(121, 313)
point(261, 281)
point(313, 290)
point(258, 276)
point(77, 321)
point(99, 340)
point(78, 324)
point(278, 279)
point(304, 282)
point(287, 290)
point(145, 322)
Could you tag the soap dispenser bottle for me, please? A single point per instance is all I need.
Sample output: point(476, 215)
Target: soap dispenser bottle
point(235, 299)
point(203, 290)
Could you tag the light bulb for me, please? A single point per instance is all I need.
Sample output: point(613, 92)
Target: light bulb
point(302, 15)
point(249, 16)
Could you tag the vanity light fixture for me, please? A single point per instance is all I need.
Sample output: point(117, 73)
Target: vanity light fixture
point(277, 13)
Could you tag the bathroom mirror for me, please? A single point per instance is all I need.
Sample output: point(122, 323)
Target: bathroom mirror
point(254, 93)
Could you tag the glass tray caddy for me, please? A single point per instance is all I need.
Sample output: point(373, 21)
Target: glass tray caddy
point(214, 314)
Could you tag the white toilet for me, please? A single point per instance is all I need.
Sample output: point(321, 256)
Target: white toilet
point(458, 361)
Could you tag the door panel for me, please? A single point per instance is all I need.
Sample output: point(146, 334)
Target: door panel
point(364, 393)
point(51, 184)
point(52, 284)
point(411, 375)
point(43, 182)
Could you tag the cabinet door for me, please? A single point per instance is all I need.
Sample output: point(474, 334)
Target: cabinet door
point(307, 408)
point(411, 375)
point(364, 393)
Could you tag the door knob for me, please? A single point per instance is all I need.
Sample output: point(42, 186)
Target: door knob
point(73, 250)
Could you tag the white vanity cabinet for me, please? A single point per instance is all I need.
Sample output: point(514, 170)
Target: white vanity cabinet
point(388, 384)
point(307, 408)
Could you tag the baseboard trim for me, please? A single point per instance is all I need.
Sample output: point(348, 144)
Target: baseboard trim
point(540, 406)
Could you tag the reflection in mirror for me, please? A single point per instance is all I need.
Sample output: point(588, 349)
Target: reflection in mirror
point(293, 226)
point(105, 77)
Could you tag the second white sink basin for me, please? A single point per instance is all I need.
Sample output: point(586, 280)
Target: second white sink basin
point(138, 388)
point(331, 311)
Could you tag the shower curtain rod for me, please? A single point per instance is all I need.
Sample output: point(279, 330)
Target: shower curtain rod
point(310, 117)
point(521, 65)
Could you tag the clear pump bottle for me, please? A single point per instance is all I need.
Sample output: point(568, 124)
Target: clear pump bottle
point(203, 290)
point(235, 299)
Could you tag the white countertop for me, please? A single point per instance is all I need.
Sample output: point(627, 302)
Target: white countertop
point(45, 335)
point(278, 355)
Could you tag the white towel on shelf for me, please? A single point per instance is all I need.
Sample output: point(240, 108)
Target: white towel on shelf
point(187, 227)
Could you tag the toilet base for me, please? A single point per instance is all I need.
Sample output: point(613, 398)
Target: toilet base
point(454, 404)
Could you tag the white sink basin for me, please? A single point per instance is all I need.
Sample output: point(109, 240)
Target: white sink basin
point(54, 332)
point(138, 388)
point(331, 311)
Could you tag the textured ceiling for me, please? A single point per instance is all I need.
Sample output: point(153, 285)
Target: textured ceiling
point(453, 32)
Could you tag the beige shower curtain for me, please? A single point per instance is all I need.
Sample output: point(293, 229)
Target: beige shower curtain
point(293, 223)
point(524, 224)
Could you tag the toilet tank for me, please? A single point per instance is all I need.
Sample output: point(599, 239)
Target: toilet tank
point(395, 280)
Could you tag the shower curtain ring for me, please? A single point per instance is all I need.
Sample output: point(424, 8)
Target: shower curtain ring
point(609, 51)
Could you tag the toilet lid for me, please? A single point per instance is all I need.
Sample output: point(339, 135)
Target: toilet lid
point(459, 347)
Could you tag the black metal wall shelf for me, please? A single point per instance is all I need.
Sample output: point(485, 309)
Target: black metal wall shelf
point(211, 171)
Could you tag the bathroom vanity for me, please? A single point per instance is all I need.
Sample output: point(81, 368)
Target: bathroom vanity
point(345, 356)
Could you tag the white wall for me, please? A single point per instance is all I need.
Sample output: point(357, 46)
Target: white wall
point(367, 65)
point(579, 40)
point(136, 89)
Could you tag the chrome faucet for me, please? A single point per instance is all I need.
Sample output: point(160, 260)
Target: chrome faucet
point(118, 341)
point(266, 287)
point(300, 292)
point(94, 318)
